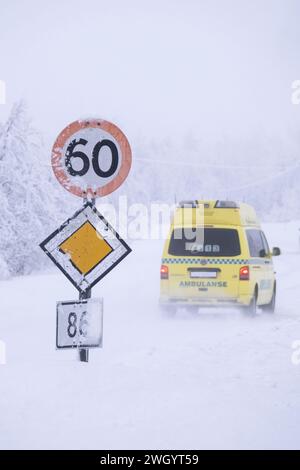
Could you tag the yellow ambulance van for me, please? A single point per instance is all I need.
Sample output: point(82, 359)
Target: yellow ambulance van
point(224, 260)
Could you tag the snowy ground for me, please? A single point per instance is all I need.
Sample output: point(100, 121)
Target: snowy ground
point(216, 381)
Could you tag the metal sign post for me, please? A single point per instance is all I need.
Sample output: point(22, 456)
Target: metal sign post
point(90, 158)
point(83, 353)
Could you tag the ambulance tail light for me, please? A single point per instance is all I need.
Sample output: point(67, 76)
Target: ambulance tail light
point(164, 272)
point(244, 273)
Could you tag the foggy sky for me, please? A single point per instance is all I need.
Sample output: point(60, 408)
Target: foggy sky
point(156, 68)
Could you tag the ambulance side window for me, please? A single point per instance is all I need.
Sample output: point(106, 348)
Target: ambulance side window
point(255, 242)
point(266, 246)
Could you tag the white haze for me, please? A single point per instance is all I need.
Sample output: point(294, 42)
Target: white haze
point(156, 67)
point(190, 82)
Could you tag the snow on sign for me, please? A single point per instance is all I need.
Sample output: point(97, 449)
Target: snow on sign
point(79, 324)
point(85, 248)
point(91, 158)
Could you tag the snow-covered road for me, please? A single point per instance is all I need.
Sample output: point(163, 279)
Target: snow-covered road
point(218, 380)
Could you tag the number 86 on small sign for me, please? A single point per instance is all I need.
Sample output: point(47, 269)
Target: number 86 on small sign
point(79, 324)
point(74, 329)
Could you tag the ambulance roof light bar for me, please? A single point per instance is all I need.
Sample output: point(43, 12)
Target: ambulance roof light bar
point(189, 204)
point(192, 204)
point(226, 205)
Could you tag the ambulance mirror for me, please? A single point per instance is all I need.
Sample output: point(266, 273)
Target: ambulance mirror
point(276, 251)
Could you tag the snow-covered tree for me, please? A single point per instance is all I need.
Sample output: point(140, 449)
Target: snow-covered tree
point(28, 195)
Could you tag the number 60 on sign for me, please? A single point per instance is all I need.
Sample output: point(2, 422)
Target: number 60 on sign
point(91, 158)
point(79, 324)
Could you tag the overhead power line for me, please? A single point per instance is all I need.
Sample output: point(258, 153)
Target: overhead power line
point(206, 165)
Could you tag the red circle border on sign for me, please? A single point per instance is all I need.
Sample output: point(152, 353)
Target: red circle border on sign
point(57, 155)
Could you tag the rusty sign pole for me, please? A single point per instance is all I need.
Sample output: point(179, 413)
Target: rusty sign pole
point(84, 352)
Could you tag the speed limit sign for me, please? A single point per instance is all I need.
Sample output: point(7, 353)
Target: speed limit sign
point(91, 158)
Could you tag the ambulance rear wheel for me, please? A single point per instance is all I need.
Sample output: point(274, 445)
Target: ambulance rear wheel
point(270, 308)
point(251, 310)
point(193, 309)
point(167, 311)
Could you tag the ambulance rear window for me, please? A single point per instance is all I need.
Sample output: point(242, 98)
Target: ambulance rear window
point(215, 242)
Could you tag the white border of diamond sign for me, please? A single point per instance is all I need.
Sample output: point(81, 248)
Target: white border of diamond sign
point(51, 244)
point(79, 324)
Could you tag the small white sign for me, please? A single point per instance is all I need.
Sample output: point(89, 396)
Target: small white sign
point(2, 353)
point(2, 92)
point(79, 324)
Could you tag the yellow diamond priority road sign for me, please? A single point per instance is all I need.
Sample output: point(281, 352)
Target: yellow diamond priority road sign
point(85, 248)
